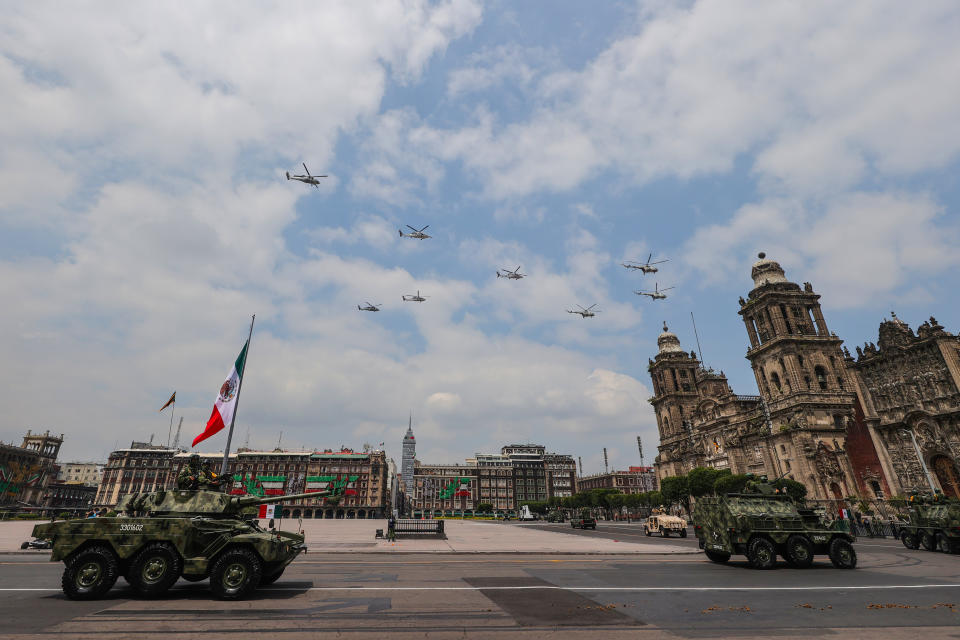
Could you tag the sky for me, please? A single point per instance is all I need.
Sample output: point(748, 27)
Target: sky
point(145, 215)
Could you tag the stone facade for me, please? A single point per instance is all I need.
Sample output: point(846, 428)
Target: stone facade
point(796, 427)
point(881, 424)
point(909, 386)
point(632, 481)
point(361, 475)
point(27, 470)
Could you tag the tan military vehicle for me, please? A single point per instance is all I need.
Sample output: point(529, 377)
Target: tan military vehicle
point(664, 524)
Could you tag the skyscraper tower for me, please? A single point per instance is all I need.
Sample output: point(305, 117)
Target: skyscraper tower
point(409, 455)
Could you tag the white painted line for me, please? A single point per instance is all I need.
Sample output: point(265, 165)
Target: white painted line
point(590, 588)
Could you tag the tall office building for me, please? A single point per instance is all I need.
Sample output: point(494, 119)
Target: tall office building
point(409, 455)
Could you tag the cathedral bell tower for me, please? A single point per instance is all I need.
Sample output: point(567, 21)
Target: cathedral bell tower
point(674, 376)
point(802, 378)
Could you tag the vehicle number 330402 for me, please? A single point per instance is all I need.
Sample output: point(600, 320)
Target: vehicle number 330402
point(131, 527)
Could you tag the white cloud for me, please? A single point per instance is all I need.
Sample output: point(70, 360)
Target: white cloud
point(858, 248)
point(821, 93)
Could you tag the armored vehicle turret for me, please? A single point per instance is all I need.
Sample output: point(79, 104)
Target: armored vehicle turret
point(934, 524)
point(162, 536)
point(762, 523)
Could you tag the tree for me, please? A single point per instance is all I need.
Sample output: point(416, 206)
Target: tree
point(701, 480)
point(675, 490)
point(794, 489)
point(729, 483)
point(485, 507)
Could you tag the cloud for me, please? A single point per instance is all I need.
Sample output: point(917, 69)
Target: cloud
point(822, 95)
point(858, 248)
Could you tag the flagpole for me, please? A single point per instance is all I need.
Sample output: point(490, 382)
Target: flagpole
point(170, 429)
point(236, 405)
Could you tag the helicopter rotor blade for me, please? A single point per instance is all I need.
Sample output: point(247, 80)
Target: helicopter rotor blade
point(648, 258)
point(411, 228)
point(305, 168)
point(424, 229)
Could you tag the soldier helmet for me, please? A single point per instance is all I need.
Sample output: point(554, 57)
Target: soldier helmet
point(194, 459)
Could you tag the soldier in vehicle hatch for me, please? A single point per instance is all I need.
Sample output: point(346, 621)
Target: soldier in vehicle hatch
point(208, 477)
point(190, 474)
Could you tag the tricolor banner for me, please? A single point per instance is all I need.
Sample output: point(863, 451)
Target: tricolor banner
point(226, 402)
point(267, 511)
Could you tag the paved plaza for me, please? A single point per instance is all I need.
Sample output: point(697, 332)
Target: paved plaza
point(462, 536)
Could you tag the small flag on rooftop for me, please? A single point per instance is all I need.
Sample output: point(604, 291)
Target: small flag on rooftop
point(172, 400)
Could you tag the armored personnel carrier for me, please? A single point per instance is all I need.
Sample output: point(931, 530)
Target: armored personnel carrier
point(934, 524)
point(761, 524)
point(165, 535)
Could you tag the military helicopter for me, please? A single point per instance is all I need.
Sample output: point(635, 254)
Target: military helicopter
point(416, 298)
point(646, 267)
point(589, 312)
point(656, 294)
point(309, 179)
point(370, 307)
point(510, 275)
point(414, 233)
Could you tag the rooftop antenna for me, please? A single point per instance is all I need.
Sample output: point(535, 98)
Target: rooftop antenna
point(640, 447)
point(280, 439)
point(606, 467)
point(246, 443)
point(176, 439)
point(697, 336)
point(580, 460)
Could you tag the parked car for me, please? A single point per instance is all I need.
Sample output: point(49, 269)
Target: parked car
point(583, 521)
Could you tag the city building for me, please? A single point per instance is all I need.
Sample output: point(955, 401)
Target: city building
point(26, 470)
point(881, 424)
point(409, 458)
point(72, 497)
point(87, 473)
point(444, 489)
point(519, 473)
point(909, 389)
point(561, 475)
point(360, 477)
point(797, 427)
point(633, 480)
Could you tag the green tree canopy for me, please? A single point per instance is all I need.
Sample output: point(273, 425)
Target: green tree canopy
point(730, 483)
point(675, 489)
point(485, 507)
point(701, 480)
point(794, 489)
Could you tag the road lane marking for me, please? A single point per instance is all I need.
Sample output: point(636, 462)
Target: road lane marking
point(583, 588)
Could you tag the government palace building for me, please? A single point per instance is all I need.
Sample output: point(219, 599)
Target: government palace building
point(876, 425)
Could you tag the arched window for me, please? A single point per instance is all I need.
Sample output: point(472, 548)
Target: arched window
point(821, 374)
point(840, 382)
point(775, 379)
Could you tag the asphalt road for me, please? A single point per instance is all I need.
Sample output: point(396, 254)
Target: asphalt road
point(894, 592)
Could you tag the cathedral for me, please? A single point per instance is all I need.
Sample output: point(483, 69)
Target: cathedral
point(879, 425)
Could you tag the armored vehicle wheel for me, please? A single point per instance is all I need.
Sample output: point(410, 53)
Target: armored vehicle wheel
point(761, 554)
point(235, 574)
point(90, 573)
point(799, 551)
point(646, 531)
point(154, 570)
point(909, 540)
point(717, 556)
point(842, 554)
point(943, 544)
point(194, 578)
point(573, 525)
point(270, 579)
point(928, 541)
point(24, 545)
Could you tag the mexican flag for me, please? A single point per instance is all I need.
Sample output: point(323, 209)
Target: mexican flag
point(226, 403)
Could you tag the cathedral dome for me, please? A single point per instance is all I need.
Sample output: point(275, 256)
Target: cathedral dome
point(669, 342)
point(766, 271)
